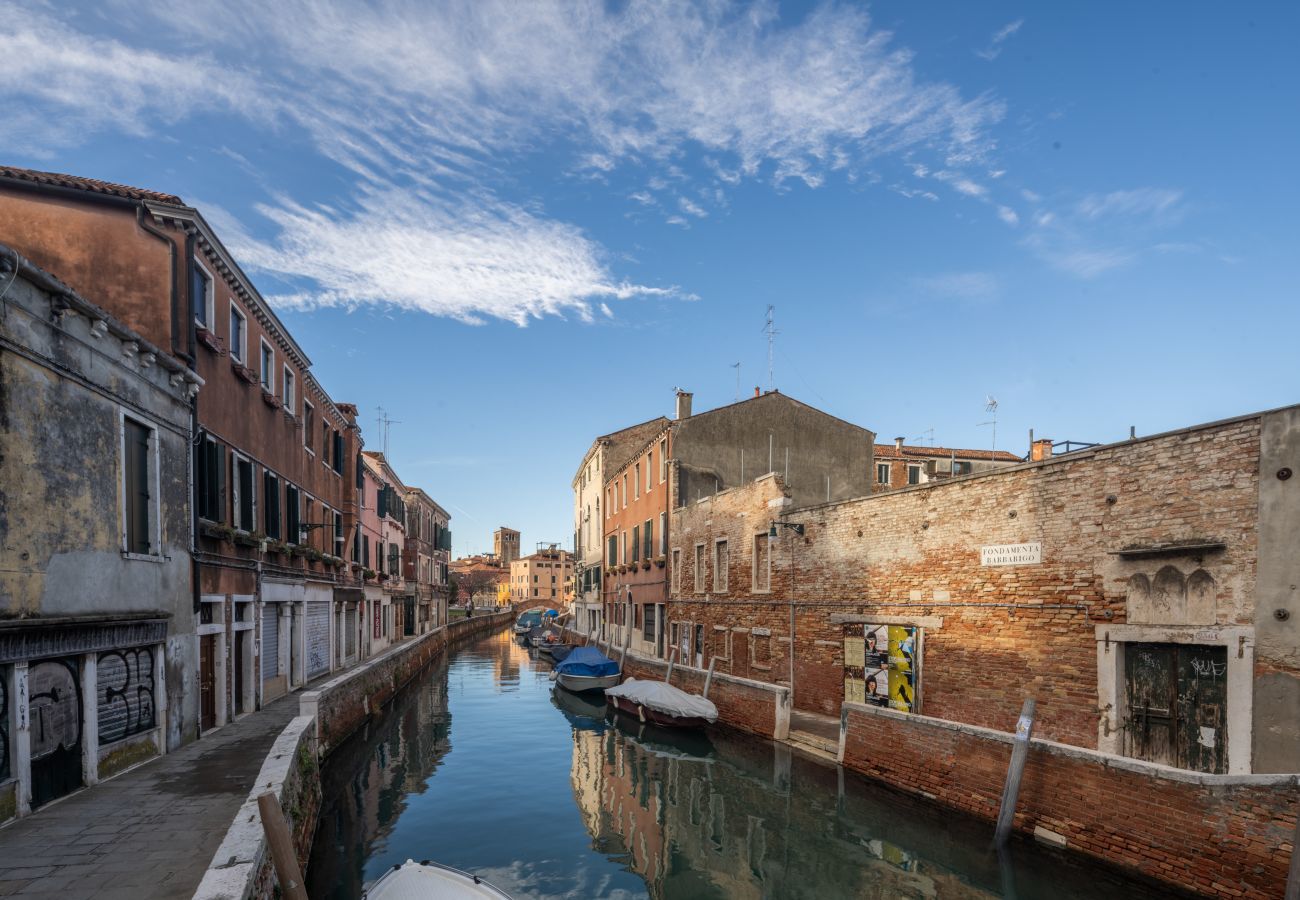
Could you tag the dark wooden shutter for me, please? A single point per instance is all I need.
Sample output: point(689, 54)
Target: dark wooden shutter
point(137, 488)
point(219, 507)
point(383, 500)
point(245, 476)
point(338, 452)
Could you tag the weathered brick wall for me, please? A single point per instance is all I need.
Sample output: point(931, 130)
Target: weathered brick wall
point(1006, 632)
point(1219, 835)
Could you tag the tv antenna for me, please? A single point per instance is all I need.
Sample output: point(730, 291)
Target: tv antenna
point(770, 330)
point(991, 406)
point(927, 435)
point(384, 423)
point(736, 366)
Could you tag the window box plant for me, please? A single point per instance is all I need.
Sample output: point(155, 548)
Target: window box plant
point(216, 530)
point(368, 574)
point(659, 561)
point(274, 547)
point(313, 554)
point(247, 539)
point(297, 550)
point(645, 563)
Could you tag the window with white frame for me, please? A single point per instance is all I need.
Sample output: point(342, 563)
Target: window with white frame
point(882, 473)
point(913, 474)
point(625, 490)
point(141, 521)
point(245, 496)
point(663, 532)
point(308, 425)
point(202, 297)
point(720, 563)
point(649, 470)
point(267, 375)
point(636, 481)
point(699, 568)
point(238, 335)
point(663, 460)
point(287, 391)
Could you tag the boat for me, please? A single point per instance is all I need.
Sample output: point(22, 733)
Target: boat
point(560, 652)
point(527, 620)
point(431, 881)
point(585, 710)
point(586, 669)
point(662, 704)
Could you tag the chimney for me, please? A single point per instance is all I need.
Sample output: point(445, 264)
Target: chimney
point(757, 392)
point(1041, 450)
point(898, 444)
point(684, 405)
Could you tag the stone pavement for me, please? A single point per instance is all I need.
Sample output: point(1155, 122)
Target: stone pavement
point(148, 833)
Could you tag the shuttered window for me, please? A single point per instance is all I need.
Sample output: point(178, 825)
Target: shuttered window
point(337, 459)
point(212, 481)
point(271, 500)
point(244, 495)
point(139, 505)
point(611, 554)
point(636, 543)
point(647, 537)
point(292, 516)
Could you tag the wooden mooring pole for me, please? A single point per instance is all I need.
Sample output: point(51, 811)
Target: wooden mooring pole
point(283, 856)
point(708, 679)
point(1019, 753)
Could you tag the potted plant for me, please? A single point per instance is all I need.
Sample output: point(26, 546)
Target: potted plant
point(216, 530)
point(659, 561)
point(368, 574)
point(248, 539)
point(313, 554)
point(645, 563)
point(274, 547)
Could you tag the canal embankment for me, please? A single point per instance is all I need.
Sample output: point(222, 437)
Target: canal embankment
point(1213, 835)
point(241, 868)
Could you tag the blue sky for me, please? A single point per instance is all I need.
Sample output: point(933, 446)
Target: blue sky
point(520, 226)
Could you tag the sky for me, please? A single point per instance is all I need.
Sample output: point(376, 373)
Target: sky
point(517, 226)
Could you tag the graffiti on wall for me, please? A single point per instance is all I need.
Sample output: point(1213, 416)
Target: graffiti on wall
point(125, 693)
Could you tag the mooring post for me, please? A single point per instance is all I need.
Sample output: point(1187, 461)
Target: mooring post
point(1293, 874)
point(708, 679)
point(280, 840)
point(1019, 753)
point(672, 658)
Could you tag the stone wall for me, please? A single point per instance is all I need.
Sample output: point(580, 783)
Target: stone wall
point(1218, 835)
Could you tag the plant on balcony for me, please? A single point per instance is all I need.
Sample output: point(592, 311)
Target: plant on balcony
point(243, 372)
point(210, 340)
point(216, 530)
point(368, 574)
point(313, 554)
point(645, 563)
point(275, 547)
point(246, 539)
point(659, 561)
point(270, 399)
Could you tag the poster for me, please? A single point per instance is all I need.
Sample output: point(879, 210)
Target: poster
point(882, 665)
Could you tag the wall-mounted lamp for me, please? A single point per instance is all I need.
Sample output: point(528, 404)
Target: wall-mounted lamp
point(796, 527)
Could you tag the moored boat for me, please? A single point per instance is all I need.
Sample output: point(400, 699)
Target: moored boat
point(431, 881)
point(587, 669)
point(662, 704)
point(527, 620)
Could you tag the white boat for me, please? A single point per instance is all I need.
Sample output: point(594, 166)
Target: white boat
point(587, 669)
point(580, 683)
point(431, 881)
point(662, 704)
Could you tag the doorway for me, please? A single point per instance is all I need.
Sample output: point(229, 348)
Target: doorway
point(1176, 705)
point(56, 709)
point(207, 681)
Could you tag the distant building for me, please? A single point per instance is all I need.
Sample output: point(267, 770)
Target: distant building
point(476, 578)
point(428, 551)
point(505, 544)
point(394, 601)
point(900, 465)
point(541, 577)
point(98, 614)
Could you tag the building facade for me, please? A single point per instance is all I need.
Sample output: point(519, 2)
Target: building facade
point(900, 465)
point(505, 545)
point(1139, 591)
point(391, 596)
point(541, 577)
point(98, 608)
point(428, 551)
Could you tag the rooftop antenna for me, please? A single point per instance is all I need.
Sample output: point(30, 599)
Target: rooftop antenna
point(384, 423)
point(770, 330)
point(928, 434)
point(736, 366)
point(991, 406)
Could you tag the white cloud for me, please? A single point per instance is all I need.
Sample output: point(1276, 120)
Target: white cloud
point(1152, 202)
point(420, 252)
point(691, 209)
point(994, 49)
point(1091, 263)
point(1008, 215)
point(961, 285)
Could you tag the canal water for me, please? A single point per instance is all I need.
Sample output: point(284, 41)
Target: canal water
point(482, 766)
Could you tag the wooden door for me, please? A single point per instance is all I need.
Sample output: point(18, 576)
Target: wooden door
point(55, 728)
point(1177, 705)
point(207, 682)
point(239, 671)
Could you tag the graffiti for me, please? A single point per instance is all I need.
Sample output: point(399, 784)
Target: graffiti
point(1206, 668)
point(4, 726)
point(125, 693)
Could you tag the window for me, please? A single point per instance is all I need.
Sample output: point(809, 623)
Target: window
point(338, 533)
point(648, 621)
point(245, 500)
point(663, 460)
point(760, 648)
point(609, 503)
point(268, 368)
point(201, 297)
point(337, 458)
point(636, 543)
point(292, 515)
point(623, 557)
point(611, 554)
point(648, 539)
point(140, 518)
point(676, 576)
point(699, 568)
point(287, 393)
point(882, 473)
point(762, 574)
point(720, 561)
point(212, 480)
point(961, 467)
point(625, 491)
point(271, 500)
point(394, 559)
point(636, 481)
point(308, 425)
point(663, 533)
point(649, 470)
point(238, 334)
point(913, 474)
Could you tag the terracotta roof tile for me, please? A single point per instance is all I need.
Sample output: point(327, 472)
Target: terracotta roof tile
point(889, 451)
point(94, 185)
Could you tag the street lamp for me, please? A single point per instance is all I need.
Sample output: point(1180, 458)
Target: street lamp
point(797, 528)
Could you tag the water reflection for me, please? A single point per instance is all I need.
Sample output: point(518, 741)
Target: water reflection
point(537, 791)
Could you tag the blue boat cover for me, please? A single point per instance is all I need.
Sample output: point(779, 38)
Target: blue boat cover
point(587, 661)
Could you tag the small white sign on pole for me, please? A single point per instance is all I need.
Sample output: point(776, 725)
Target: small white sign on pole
point(1012, 554)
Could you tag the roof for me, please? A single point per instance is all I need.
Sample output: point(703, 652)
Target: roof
point(889, 451)
point(94, 185)
point(623, 444)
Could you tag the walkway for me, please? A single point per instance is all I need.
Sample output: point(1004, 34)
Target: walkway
point(148, 833)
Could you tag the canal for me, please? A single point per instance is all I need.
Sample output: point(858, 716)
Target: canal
point(481, 766)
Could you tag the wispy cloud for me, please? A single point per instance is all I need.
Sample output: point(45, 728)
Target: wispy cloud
point(960, 285)
point(1008, 215)
point(1140, 202)
point(1102, 233)
point(994, 48)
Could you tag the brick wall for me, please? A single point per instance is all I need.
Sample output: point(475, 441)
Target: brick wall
point(1219, 835)
point(997, 633)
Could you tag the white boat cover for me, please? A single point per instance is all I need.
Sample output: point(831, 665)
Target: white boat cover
point(427, 881)
point(663, 697)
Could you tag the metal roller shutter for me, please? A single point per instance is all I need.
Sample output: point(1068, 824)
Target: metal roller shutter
point(318, 639)
point(270, 641)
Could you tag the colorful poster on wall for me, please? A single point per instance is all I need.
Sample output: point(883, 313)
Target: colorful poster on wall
point(882, 665)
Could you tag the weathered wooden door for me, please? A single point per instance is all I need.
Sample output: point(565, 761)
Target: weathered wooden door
point(207, 682)
point(1177, 705)
point(55, 728)
point(239, 671)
